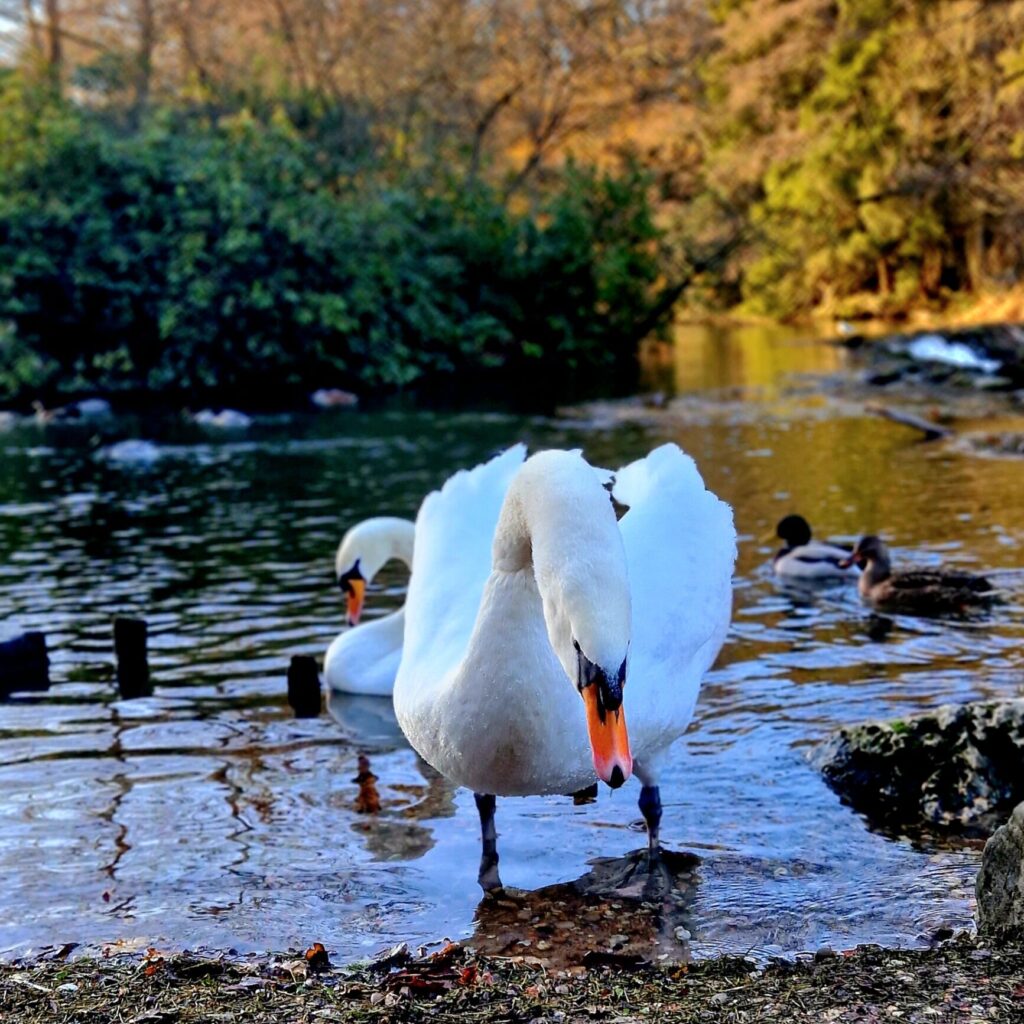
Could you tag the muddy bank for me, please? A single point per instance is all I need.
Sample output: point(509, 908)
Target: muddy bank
point(960, 980)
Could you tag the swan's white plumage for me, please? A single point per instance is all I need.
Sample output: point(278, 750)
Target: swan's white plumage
point(364, 659)
point(680, 549)
point(480, 693)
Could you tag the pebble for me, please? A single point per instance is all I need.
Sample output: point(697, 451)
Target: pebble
point(682, 934)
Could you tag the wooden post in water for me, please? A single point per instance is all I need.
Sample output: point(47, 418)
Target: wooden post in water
point(304, 686)
point(132, 664)
point(24, 664)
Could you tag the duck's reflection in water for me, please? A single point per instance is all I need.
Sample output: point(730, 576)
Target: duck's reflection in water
point(392, 831)
point(618, 911)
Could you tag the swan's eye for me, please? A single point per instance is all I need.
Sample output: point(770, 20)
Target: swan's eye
point(608, 691)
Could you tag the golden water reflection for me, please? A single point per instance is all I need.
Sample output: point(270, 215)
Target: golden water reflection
point(745, 358)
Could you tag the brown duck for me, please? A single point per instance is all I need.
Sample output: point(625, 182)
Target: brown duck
point(919, 591)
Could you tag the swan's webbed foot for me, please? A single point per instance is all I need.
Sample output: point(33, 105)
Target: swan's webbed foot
point(650, 808)
point(489, 879)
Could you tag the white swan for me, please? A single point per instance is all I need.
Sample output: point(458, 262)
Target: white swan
point(626, 615)
point(365, 660)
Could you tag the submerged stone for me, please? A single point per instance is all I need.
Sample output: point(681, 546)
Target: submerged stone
point(957, 768)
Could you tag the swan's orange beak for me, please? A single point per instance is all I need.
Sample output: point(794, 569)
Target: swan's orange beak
point(355, 592)
point(609, 740)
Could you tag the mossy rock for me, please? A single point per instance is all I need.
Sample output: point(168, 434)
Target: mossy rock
point(959, 768)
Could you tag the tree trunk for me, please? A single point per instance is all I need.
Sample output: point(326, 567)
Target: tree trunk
point(54, 50)
point(144, 60)
point(931, 272)
point(974, 256)
point(884, 276)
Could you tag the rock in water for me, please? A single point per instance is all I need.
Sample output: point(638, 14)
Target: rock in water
point(1000, 885)
point(958, 767)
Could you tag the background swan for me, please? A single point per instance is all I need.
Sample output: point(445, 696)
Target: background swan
point(365, 660)
point(627, 616)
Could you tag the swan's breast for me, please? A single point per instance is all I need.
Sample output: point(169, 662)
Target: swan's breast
point(507, 720)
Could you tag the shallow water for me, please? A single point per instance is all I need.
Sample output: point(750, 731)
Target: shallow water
point(208, 816)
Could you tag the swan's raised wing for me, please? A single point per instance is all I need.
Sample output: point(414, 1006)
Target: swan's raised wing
point(680, 550)
point(451, 564)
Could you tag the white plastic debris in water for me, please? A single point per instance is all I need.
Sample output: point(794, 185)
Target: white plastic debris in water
point(226, 419)
point(333, 398)
point(133, 451)
point(91, 409)
point(934, 348)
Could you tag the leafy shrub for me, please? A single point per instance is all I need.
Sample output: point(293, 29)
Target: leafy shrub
point(234, 255)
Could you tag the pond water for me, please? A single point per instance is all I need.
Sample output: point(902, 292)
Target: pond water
point(208, 816)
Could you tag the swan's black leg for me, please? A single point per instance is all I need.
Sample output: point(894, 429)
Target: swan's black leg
point(488, 877)
point(650, 808)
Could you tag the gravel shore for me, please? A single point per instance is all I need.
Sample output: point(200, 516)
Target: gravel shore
point(963, 980)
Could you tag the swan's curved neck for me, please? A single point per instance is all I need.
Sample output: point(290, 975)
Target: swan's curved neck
point(557, 521)
point(368, 546)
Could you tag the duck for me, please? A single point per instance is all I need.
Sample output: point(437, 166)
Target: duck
point(919, 591)
point(806, 559)
point(365, 660)
point(548, 645)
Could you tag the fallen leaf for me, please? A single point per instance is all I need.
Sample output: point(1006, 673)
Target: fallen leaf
point(316, 957)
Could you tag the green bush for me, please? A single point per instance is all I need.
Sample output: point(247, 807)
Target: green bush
point(234, 256)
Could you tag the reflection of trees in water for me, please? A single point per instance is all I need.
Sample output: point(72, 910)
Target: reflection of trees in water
point(391, 834)
point(123, 784)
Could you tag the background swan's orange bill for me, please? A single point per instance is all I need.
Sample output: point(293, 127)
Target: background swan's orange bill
point(354, 600)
